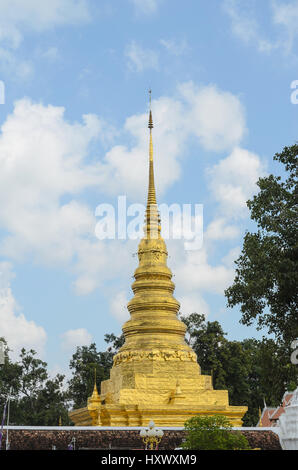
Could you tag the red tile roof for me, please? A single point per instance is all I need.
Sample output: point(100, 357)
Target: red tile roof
point(270, 415)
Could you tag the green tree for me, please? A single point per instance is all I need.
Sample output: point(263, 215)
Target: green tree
point(271, 372)
point(35, 399)
point(115, 342)
point(265, 285)
point(52, 403)
point(225, 360)
point(41, 400)
point(86, 363)
point(9, 381)
point(253, 371)
point(212, 433)
point(206, 339)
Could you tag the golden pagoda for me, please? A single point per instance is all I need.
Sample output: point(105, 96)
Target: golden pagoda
point(155, 374)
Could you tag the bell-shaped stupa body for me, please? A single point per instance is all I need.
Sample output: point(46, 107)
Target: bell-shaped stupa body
point(155, 374)
point(288, 425)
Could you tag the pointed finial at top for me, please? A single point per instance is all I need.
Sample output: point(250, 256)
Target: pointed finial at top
point(95, 392)
point(150, 125)
point(95, 387)
point(260, 416)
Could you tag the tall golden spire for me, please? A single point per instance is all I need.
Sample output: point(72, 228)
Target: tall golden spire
point(153, 310)
point(151, 189)
point(152, 228)
point(155, 374)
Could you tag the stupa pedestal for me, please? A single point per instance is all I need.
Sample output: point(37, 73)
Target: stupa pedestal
point(144, 389)
point(155, 375)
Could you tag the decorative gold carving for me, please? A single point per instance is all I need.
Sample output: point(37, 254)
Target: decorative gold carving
point(155, 355)
point(153, 254)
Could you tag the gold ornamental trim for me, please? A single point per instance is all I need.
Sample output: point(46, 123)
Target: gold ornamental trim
point(155, 355)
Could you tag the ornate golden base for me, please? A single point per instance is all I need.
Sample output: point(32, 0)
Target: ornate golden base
point(145, 389)
point(130, 415)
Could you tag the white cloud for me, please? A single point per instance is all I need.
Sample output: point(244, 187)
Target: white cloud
point(18, 331)
point(6, 274)
point(175, 47)
point(216, 117)
point(196, 274)
point(98, 262)
point(45, 160)
point(193, 303)
point(73, 338)
point(219, 229)
point(125, 168)
point(41, 160)
point(36, 173)
point(230, 258)
point(118, 307)
point(233, 180)
point(146, 6)
point(19, 69)
point(285, 14)
point(85, 284)
point(247, 27)
point(51, 54)
point(139, 58)
point(18, 17)
point(244, 24)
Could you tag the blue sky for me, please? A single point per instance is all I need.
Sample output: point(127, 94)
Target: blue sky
point(74, 135)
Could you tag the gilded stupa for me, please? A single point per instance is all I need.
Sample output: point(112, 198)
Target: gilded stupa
point(155, 374)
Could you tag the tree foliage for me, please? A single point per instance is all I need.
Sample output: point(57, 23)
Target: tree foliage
point(212, 433)
point(114, 342)
point(36, 398)
point(253, 371)
point(265, 285)
point(87, 364)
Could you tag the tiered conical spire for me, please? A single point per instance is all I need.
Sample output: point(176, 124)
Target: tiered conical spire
point(95, 394)
point(152, 228)
point(153, 309)
point(155, 374)
point(151, 189)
